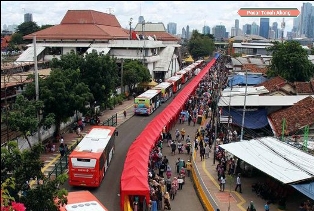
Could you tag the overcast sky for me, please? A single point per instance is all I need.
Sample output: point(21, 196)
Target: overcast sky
point(196, 14)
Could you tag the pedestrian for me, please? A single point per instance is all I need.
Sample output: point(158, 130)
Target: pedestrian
point(188, 167)
point(167, 205)
point(202, 153)
point(61, 149)
point(222, 183)
point(238, 183)
point(124, 113)
point(266, 206)
point(61, 140)
point(251, 207)
point(180, 182)
point(173, 147)
point(188, 147)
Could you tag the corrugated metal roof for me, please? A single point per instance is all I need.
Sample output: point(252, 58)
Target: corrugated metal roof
point(276, 158)
point(256, 100)
point(152, 27)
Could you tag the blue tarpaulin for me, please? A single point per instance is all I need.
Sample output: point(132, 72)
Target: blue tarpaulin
point(241, 79)
point(253, 119)
point(306, 188)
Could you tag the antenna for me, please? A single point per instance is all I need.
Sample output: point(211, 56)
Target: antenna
point(110, 10)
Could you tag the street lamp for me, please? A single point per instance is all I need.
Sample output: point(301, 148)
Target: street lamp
point(130, 23)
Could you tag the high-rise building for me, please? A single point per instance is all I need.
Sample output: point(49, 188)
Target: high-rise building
point(187, 32)
point(247, 29)
point(28, 17)
point(233, 31)
point(172, 28)
point(275, 28)
point(236, 24)
point(219, 32)
point(141, 19)
point(264, 27)
point(206, 30)
point(254, 29)
point(183, 33)
point(307, 20)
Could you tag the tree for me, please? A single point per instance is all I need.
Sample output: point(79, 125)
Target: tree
point(100, 73)
point(17, 167)
point(290, 61)
point(45, 26)
point(134, 72)
point(63, 94)
point(23, 117)
point(200, 45)
point(26, 28)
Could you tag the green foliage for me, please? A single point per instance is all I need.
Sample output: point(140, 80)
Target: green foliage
point(100, 73)
point(17, 167)
point(16, 39)
point(63, 94)
point(290, 61)
point(26, 28)
point(312, 51)
point(134, 72)
point(23, 116)
point(200, 45)
point(45, 26)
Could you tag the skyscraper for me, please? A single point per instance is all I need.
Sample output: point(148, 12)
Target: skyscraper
point(264, 27)
point(172, 28)
point(219, 32)
point(183, 33)
point(236, 24)
point(141, 19)
point(307, 20)
point(254, 29)
point(247, 29)
point(275, 28)
point(206, 30)
point(187, 36)
point(28, 17)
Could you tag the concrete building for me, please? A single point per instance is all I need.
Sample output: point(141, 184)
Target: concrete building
point(28, 17)
point(172, 28)
point(150, 42)
point(264, 27)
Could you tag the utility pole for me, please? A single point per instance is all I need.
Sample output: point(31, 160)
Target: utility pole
point(36, 85)
point(244, 107)
point(122, 86)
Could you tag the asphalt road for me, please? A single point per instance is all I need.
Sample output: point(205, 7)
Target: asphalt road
point(108, 192)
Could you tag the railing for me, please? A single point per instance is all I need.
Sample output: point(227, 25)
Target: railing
point(62, 164)
point(112, 121)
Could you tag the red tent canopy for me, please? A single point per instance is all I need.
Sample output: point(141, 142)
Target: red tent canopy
point(134, 178)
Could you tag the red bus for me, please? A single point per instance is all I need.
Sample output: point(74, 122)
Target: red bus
point(184, 75)
point(89, 161)
point(176, 83)
point(81, 201)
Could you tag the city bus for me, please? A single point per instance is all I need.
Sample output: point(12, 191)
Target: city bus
point(147, 102)
point(184, 75)
point(81, 201)
point(90, 159)
point(176, 83)
point(166, 90)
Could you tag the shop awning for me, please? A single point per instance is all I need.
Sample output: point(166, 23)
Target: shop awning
point(28, 54)
point(275, 158)
point(306, 188)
